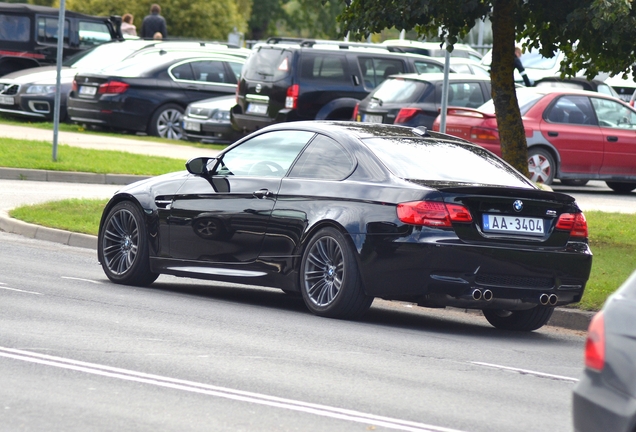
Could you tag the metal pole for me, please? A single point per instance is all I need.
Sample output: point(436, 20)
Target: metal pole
point(58, 84)
point(442, 122)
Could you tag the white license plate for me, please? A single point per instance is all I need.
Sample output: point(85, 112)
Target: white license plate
point(87, 91)
point(513, 225)
point(192, 126)
point(254, 108)
point(369, 118)
point(6, 100)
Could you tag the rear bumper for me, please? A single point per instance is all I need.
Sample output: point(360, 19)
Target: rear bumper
point(108, 115)
point(599, 407)
point(249, 123)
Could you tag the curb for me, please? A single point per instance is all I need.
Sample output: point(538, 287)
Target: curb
point(67, 176)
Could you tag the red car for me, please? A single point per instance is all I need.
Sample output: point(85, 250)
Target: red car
point(572, 135)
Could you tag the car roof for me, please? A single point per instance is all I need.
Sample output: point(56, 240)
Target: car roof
point(427, 45)
point(435, 77)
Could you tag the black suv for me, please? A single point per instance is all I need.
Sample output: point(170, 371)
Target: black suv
point(28, 34)
point(289, 80)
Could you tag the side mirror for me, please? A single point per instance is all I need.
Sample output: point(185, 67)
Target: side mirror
point(199, 166)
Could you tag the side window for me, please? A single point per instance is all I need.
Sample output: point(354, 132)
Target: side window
point(613, 114)
point(47, 30)
point(465, 95)
point(236, 69)
point(209, 71)
point(323, 67)
point(424, 67)
point(323, 159)
point(376, 70)
point(93, 33)
point(571, 110)
point(267, 155)
point(15, 28)
point(605, 89)
point(182, 72)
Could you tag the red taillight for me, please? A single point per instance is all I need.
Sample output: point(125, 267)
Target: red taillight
point(432, 213)
point(484, 134)
point(406, 114)
point(74, 87)
point(354, 117)
point(291, 101)
point(573, 222)
point(112, 87)
point(595, 343)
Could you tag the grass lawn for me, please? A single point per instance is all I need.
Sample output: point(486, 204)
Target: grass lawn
point(612, 239)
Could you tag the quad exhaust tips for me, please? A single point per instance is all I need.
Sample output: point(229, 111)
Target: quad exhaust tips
point(546, 299)
point(478, 294)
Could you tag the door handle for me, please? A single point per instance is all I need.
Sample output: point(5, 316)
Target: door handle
point(356, 80)
point(552, 133)
point(263, 193)
point(612, 138)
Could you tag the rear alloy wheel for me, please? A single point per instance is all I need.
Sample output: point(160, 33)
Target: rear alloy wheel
point(621, 187)
point(523, 320)
point(166, 122)
point(541, 166)
point(122, 246)
point(330, 280)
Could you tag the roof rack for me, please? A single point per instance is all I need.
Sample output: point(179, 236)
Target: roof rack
point(308, 43)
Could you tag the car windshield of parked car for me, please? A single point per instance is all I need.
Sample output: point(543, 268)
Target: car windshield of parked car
point(534, 60)
point(443, 161)
point(399, 90)
point(268, 65)
point(526, 98)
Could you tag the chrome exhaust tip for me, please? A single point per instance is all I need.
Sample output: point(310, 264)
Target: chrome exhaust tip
point(544, 299)
point(553, 299)
point(487, 295)
point(476, 294)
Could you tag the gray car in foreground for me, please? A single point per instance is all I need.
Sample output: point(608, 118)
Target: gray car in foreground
point(605, 397)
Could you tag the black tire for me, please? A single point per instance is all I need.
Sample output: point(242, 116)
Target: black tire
point(574, 182)
point(122, 246)
point(541, 165)
point(621, 187)
point(524, 320)
point(166, 122)
point(330, 281)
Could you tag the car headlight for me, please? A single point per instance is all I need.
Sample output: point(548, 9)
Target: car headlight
point(221, 116)
point(197, 112)
point(40, 89)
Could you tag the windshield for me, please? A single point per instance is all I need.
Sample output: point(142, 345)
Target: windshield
point(399, 90)
point(443, 161)
point(526, 100)
point(534, 60)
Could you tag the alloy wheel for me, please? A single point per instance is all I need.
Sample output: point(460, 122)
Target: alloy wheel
point(324, 271)
point(120, 241)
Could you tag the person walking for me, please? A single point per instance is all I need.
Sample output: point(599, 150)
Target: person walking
point(127, 26)
point(520, 68)
point(154, 23)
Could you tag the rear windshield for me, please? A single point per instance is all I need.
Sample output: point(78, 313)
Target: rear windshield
point(443, 161)
point(526, 100)
point(400, 90)
point(268, 65)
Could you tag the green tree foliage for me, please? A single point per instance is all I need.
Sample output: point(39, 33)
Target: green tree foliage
point(200, 19)
point(312, 19)
point(265, 14)
point(596, 35)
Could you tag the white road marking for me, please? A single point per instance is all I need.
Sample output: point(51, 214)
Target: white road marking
point(527, 372)
point(222, 392)
point(19, 290)
point(80, 279)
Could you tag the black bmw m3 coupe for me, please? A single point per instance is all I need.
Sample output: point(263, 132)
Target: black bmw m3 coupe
point(344, 212)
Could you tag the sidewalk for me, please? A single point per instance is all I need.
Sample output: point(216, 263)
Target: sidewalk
point(23, 186)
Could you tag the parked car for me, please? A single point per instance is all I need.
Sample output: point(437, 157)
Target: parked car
point(30, 93)
point(150, 93)
point(208, 121)
point(571, 134)
point(434, 49)
point(468, 66)
point(29, 34)
point(536, 66)
point(577, 83)
point(604, 399)
point(625, 87)
point(415, 100)
point(314, 80)
point(342, 212)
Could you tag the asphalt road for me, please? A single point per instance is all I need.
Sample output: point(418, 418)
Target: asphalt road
point(80, 353)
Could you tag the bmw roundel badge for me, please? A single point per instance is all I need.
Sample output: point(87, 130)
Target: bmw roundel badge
point(517, 205)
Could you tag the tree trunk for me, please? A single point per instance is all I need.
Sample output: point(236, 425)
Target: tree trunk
point(514, 148)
